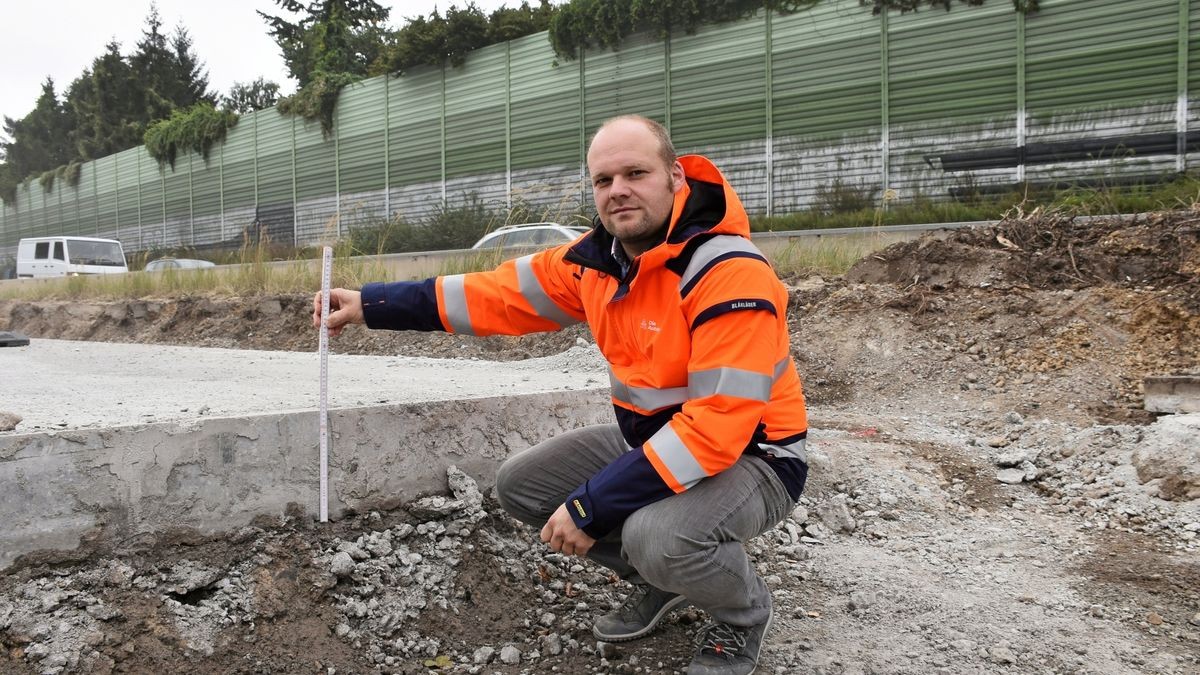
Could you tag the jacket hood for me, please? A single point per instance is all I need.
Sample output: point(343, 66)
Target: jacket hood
point(706, 205)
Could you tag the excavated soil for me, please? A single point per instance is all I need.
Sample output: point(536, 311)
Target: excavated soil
point(988, 493)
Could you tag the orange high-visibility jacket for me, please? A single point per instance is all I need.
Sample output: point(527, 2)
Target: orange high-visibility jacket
point(694, 332)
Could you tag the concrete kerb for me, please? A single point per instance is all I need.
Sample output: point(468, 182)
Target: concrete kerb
point(218, 474)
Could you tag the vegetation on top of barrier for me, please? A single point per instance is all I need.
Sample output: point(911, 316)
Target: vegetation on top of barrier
point(318, 100)
point(877, 6)
point(197, 128)
point(580, 24)
point(68, 173)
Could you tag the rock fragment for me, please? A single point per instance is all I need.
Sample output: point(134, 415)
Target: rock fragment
point(510, 655)
point(342, 564)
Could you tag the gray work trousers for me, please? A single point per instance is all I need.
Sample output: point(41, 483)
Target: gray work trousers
point(690, 543)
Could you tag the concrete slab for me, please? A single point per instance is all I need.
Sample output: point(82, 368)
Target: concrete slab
point(1172, 393)
point(63, 384)
point(126, 439)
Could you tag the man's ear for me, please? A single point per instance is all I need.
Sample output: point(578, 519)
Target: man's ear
point(677, 177)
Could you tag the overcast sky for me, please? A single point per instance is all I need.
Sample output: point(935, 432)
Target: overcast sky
point(60, 38)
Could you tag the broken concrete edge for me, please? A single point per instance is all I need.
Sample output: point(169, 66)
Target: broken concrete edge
point(1172, 394)
point(93, 488)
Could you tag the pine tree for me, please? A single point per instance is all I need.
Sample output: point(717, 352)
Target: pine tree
point(40, 141)
point(109, 106)
point(331, 37)
point(248, 97)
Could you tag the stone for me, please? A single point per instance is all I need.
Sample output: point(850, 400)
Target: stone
point(1016, 457)
point(464, 488)
point(996, 442)
point(483, 655)
point(1031, 471)
point(835, 514)
point(342, 564)
point(188, 576)
point(1011, 476)
point(9, 421)
point(510, 655)
point(552, 643)
point(800, 515)
point(353, 550)
point(1169, 453)
point(862, 599)
point(1002, 654)
point(102, 612)
point(378, 546)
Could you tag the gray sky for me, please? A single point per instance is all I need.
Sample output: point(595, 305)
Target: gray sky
point(60, 38)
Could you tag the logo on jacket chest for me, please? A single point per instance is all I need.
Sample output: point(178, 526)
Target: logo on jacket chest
point(650, 325)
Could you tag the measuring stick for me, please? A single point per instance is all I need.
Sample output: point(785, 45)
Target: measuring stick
point(323, 349)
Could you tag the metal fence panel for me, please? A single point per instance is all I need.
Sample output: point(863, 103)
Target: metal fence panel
point(150, 177)
point(126, 184)
point(206, 197)
point(415, 134)
point(88, 211)
point(825, 71)
point(826, 106)
point(237, 162)
point(718, 101)
point(275, 215)
point(718, 95)
point(1095, 70)
point(362, 152)
point(475, 114)
point(106, 196)
point(629, 80)
point(952, 87)
point(177, 190)
point(546, 139)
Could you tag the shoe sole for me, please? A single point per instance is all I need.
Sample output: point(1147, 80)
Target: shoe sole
point(654, 621)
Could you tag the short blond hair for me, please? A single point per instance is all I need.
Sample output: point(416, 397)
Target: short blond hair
point(666, 149)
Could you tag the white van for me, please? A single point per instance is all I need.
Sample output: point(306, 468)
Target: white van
point(63, 256)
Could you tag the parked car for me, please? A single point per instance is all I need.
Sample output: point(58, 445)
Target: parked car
point(68, 256)
point(531, 235)
point(177, 264)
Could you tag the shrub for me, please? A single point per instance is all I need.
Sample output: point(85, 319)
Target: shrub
point(197, 128)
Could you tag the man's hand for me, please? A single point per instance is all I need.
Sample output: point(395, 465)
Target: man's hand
point(562, 535)
point(345, 307)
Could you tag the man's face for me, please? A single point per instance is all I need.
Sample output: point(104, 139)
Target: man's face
point(633, 188)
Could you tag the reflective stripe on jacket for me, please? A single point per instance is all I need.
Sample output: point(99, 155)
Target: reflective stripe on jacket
point(695, 334)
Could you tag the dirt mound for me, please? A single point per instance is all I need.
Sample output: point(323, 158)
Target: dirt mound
point(1045, 312)
point(1052, 251)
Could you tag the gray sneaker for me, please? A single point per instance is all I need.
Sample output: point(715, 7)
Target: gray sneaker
point(725, 649)
point(638, 615)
